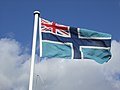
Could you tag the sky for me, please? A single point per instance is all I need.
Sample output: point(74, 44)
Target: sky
point(16, 27)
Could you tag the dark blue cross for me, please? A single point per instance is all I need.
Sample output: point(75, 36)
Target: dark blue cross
point(76, 41)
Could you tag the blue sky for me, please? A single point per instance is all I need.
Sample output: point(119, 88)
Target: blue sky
point(16, 17)
point(16, 22)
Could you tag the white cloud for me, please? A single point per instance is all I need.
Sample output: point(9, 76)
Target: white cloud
point(75, 75)
point(13, 74)
point(112, 69)
point(56, 74)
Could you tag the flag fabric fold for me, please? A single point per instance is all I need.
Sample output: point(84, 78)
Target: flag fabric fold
point(60, 41)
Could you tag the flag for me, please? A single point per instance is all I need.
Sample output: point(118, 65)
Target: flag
point(60, 41)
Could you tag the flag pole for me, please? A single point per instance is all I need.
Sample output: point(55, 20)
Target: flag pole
point(36, 15)
point(40, 37)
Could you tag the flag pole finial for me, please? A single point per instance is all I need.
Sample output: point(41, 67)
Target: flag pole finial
point(36, 12)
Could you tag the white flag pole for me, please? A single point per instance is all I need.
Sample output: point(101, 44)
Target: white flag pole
point(36, 14)
point(40, 37)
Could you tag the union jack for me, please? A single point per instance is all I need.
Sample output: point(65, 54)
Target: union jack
point(54, 28)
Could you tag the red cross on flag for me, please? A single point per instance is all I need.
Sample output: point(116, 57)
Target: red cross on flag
point(54, 28)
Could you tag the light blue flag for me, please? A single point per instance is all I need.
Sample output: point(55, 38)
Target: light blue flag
point(59, 41)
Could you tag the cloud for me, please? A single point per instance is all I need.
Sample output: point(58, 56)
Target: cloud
point(14, 66)
point(112, 69)
point(75, 75)
point(56, 74)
